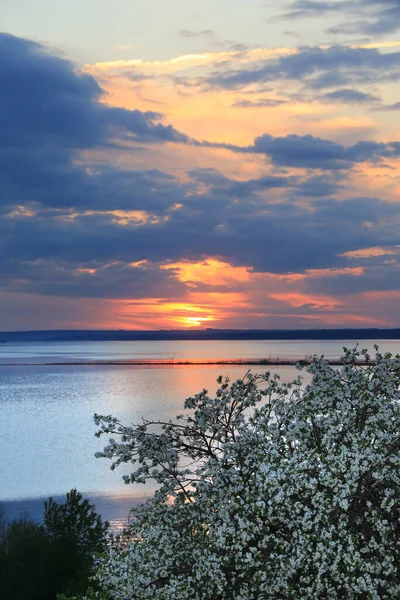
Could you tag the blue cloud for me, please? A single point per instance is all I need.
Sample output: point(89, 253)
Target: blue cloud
point(50, 112)
point(275, 236)
point(390, 107)
point(372, 17)
point(349, 96)
point(310, 152)
point(316, 67)
point(45, 102)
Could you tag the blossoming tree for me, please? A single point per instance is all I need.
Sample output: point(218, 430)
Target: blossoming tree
point(270, 490)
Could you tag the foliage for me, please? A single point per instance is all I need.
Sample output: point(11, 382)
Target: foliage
point(37, 562)
point(267, 491)
point(76, 532)
point(25, 545)
point(3, 520)
point(76, 523)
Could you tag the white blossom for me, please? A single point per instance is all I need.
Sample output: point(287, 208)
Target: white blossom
point(267, 491)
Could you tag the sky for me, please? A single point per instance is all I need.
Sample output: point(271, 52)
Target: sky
point(216, 163)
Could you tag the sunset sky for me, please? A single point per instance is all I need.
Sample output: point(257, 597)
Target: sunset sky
point(205, 163)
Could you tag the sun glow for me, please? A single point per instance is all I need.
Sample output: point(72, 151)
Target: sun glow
point(189, 315)
point(164, 314)
point(210, 270)
point(193, 321)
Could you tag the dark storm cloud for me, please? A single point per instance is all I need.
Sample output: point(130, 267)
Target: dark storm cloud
point(316, 67)
point(116, 280)
point(49, 113)
point(233, 220)
point(220, 184)
point(320, 186)
point(383, 276)
point(276, 236)
point(372, 17)
point(47, 183)
point(310, 152)
point(361, 210)
point(301, 151)
point(44, 102)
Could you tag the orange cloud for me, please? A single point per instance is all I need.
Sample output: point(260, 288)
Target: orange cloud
point(370, 252)
point(221, 295)
point(320, 273)
point(159, 313)
point(246, 309)
point(189, 61)
point(210, 270)
point(207, 116)
point(206, 59)
point(377, 179)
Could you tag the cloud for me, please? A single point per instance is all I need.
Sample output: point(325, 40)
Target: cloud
point(381, 277)
point(306, 8)
point(349, 96)
point(188, 33)
point(390, 107)
point(232, 54)
point(49, 113)
point(320, 186)
point(316, 67)
point(373, 252)
point(310, 152)
point(372, 17)
point(261, 103)
point(218, 183)
point(78, 220)
point(302, 151)
point(115, 280)
point(270, 236)
point(381, 17)
point(46, 103)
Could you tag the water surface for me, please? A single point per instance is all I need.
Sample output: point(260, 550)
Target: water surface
point(177, 350)
point(47, 441)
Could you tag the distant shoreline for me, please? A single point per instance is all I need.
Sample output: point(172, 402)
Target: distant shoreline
point(270, 362)
point(86, 335)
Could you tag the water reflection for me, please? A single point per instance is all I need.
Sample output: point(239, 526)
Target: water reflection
point(176, 350)
point(47, 442)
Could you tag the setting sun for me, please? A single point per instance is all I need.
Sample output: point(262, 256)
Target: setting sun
point(193, 321)
point(188, 315)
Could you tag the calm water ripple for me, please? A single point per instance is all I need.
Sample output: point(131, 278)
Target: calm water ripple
point(47, 441)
